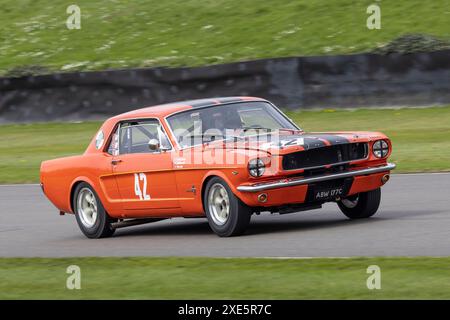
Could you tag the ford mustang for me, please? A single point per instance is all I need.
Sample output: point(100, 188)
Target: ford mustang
point(223, 158)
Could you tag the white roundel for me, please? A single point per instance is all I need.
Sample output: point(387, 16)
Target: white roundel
point(99, 139)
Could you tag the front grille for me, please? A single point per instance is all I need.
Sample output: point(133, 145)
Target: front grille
point(323, 156)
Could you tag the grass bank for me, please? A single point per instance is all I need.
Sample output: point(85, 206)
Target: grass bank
point(126, 33)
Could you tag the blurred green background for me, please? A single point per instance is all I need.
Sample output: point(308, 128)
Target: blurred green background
point(121, 34)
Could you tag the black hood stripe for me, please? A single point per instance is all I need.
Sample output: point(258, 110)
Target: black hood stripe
point(313, 141)
point(333, 139)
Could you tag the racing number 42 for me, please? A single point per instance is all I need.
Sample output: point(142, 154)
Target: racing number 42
point(141, 193)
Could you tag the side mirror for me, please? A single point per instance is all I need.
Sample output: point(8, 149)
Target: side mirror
point(153, 145)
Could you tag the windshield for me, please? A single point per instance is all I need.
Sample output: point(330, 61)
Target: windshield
point(237, 120)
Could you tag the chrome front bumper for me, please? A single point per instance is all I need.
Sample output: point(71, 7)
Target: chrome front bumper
point(289, 182)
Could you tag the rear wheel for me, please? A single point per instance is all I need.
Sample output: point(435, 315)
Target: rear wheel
point(91, 216)
point(227, 215)
point(361, 205)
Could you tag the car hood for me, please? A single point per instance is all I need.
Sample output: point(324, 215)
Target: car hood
point(283, 143)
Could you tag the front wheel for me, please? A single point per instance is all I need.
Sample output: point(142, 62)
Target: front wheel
point(361, 205)
point(227, 215)
point(91, 217)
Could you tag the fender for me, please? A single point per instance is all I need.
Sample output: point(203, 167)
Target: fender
point(99, 189)
point(223, 176)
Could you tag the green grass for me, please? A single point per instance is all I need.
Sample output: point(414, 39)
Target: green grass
point(118, 34)
point(420, 137)
point(212, 278)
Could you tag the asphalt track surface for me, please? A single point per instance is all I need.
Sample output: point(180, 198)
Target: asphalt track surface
point(413, 220)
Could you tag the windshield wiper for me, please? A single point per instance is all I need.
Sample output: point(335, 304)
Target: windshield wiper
point(255, 128)
point(212, 138)
point(292, 130)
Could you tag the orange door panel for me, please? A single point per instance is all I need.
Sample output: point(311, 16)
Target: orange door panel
point(146, 181)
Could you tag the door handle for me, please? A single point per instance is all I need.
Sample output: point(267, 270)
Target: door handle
point(115, 161)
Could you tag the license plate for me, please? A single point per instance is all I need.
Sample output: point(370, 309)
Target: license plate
point(329, 193)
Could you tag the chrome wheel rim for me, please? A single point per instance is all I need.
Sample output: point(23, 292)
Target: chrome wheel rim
point(87, 207)
point(219, 204)
point(350, 203)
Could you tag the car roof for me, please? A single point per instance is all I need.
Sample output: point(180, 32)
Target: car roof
point(166, 109)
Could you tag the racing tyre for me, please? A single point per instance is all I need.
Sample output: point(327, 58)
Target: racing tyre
point(227, 215)
point(91, 216)
point(361, 205)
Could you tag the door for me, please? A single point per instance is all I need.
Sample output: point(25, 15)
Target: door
point(145, 176)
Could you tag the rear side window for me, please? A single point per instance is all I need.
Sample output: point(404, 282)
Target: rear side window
point(133, 137)
point(99, 139)
point(114, 144)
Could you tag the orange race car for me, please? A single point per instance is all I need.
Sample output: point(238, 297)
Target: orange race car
point(225, 158)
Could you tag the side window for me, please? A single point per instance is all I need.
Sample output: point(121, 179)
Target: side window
point(134, 136)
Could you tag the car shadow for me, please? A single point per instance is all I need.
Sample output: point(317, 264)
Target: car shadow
point(323, 222)
point(267, 225)
point(176, 226)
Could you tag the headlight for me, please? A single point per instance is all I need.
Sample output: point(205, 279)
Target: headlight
point(380, 149)
point(256, 167)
